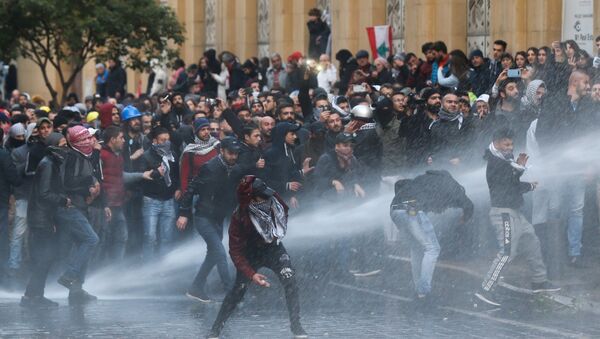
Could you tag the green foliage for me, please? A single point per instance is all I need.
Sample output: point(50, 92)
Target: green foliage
point(65, 32)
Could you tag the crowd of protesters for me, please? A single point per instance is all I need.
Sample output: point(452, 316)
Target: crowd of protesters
point(118, 176)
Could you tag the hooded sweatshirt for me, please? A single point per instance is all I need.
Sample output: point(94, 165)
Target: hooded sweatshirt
point(282, 166)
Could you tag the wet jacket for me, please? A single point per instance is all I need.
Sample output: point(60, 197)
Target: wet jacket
point(504, 182)
point(480, 79)
point(157, 187)
point(448, 140)
point(560, 122)
point(243, 238)
point(434, 191)
point(369, 149)
point(113, 186)
point(8, 176)
point(79, 177)
point(328, 169)
point(215, 187)
point(191, 162)
point(47, 192)
point(281, 163)
point(26, 159)
point(247, 159)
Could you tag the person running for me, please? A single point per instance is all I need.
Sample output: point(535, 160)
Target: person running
point(257, 227)
point(515, 235)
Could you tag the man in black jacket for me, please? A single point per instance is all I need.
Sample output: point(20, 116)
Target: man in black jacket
point(319, 34)
point(215, 187)
point(159, 194)
point(8, 179)
point(434, 191)
point(514, 233)
point(479, 74)
point(82, 188)
point(449, 134)
point(47, 195)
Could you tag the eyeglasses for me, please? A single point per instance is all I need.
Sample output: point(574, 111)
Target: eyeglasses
point(115, 114)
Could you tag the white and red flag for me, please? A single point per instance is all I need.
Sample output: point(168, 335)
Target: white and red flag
point(380, 39)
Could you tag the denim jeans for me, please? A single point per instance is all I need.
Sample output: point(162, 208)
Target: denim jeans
point(116, 235)
point(575, 193)
point(424, 247)
point(43, 244)
point(212, 233)
point(18, 234)
point(80, 231)
point(159, 226)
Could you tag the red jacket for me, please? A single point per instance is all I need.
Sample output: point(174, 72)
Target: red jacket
point(112, 170)
point(243, 235)
point(189, 169)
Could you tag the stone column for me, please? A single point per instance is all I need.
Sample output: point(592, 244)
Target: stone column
point(236, 27)
point(432, 20)
point(263, 28)
point(395, 18)
point(525, 23)
point(478, 26)
point(350, 19)
point(288, 32)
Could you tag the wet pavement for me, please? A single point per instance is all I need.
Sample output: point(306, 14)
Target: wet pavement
point(332, 307)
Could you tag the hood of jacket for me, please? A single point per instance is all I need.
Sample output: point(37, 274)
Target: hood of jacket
point(529, 97)
point(278, 135)
point(57, 154)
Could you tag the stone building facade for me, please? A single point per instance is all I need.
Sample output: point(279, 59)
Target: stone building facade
point(260, 27)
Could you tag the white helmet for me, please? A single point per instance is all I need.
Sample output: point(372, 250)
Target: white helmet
point(362, 112)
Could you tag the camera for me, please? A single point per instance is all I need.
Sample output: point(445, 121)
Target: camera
point(414, 101)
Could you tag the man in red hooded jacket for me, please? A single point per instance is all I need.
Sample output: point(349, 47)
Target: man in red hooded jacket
point(255, 232)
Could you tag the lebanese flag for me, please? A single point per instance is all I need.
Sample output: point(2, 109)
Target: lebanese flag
point(380, 39)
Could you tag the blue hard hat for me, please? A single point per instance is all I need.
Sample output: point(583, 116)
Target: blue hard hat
point(129, 113)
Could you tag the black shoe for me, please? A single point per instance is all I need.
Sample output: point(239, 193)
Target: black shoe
point(198, 295)
point(37, 302)
point(576, 262)
point(81, 296)
point(545, 286)
point(70, 283)
point(214, 334)
point(299, 332)
point(487, 297)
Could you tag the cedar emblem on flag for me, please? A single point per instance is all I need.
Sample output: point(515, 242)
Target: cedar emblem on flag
point(380, 39)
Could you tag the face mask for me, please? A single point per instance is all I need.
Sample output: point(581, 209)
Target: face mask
point(85, 147)
point(215, 134)
point(163, 149)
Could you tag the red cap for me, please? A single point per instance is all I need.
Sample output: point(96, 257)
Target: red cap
point(295, 57)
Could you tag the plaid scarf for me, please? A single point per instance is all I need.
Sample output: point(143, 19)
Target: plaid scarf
point(269, 219)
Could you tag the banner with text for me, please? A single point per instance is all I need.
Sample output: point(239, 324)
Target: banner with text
point(578, 23)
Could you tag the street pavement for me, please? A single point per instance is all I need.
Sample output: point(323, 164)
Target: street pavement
point(334, 305)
